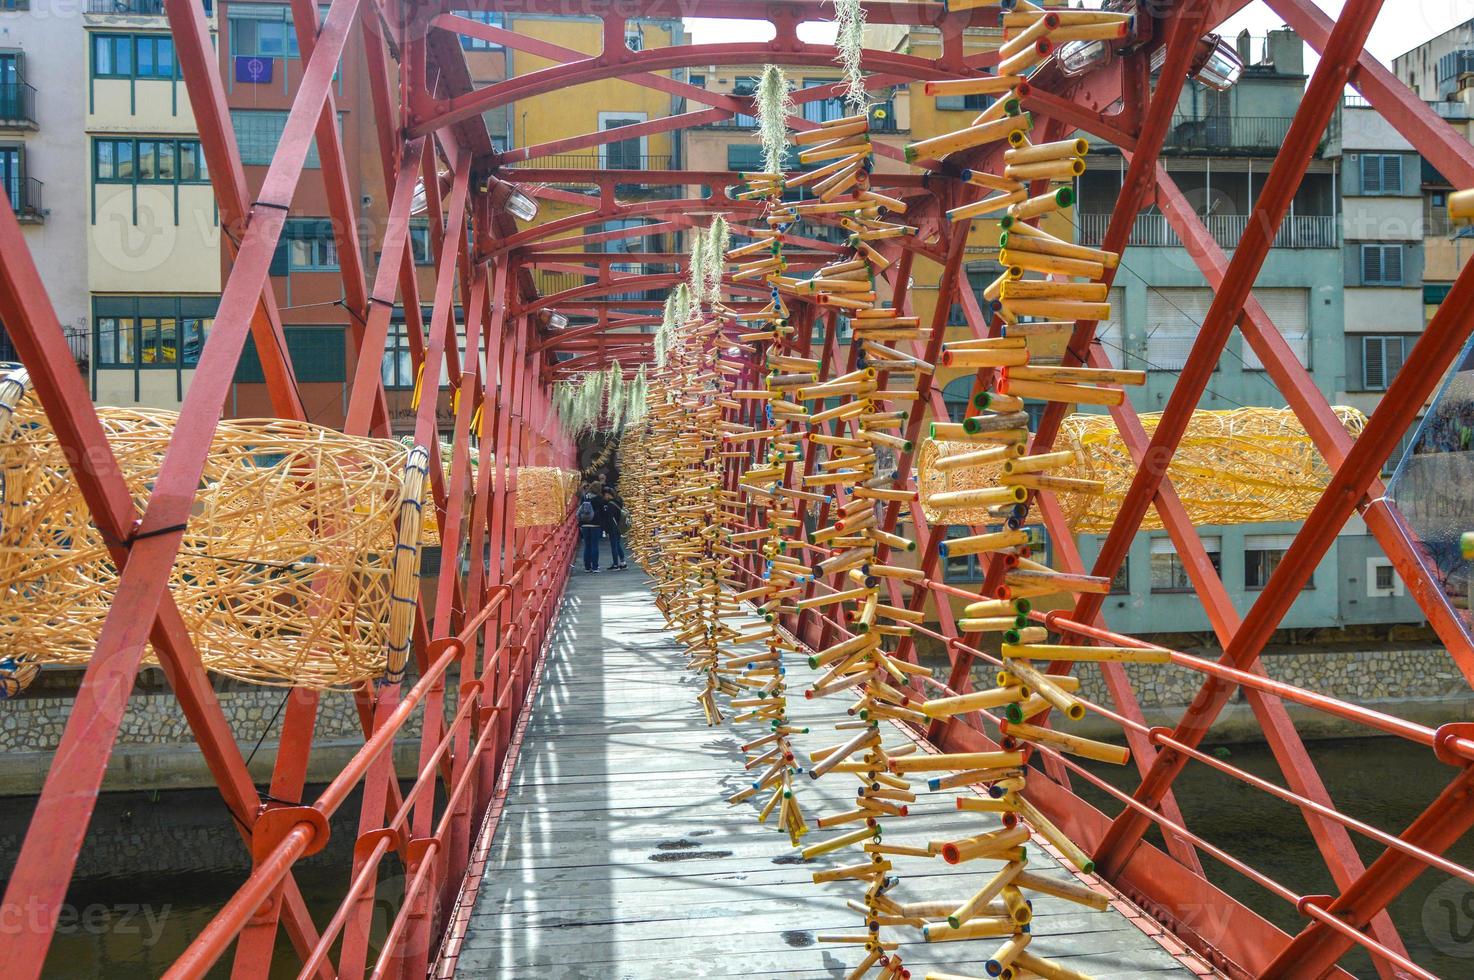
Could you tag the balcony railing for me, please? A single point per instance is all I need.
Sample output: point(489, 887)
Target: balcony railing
point(601, 161)
point(25, 200)
point(885, 124)
point(597, 162)
point(133, 8)
point(17, 105)
point(1154, 231)
point(77, 342)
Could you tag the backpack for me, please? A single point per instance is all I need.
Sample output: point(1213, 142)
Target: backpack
point(624, 520)
point(586, 512)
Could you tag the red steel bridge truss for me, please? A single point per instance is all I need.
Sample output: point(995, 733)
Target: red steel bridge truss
point(487, 627)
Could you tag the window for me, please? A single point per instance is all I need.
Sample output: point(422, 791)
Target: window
point(1382, 580)
point(419, 241)
point(12, 167)
point(622, 154)
point(132, 56)
point(135, 161)
point(822, 110)
point(491, 18)
point(398, 367)
point(972, 103)
point(1381, 358)
point(1262, 555)
point(317, 353)
point(1109, 333)
point(151, 331)
point(1169, 573)
point(262, 30)
point(306, 245)
point(258, 131)
point(1289, 310)
point(956, 397)
point(1173, 318)
point(963, 568)
point(1381, 173)
point(698, 80)
point(1381, 265)
point(979, 276)
point(744, 85)
point(1121, 581)
point(744, 157)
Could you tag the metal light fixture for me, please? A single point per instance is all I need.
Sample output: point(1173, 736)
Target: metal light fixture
point(557, 321)
point(1216, 63)
point(417, 200)
point(520, 206)
point(1075, 58)
point(510, 198)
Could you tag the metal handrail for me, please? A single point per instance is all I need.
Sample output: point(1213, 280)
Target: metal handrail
point(269, 872)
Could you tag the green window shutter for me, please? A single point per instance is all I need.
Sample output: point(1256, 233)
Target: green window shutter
point(318, 356)
point(248, 370)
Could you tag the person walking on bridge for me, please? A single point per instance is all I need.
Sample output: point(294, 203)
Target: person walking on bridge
point(616, 522)
point(591, 524)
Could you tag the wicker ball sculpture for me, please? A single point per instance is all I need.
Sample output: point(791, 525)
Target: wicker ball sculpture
point(287, 572)
point(1249, 465)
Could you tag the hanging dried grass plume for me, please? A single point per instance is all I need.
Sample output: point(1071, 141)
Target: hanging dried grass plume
point(849, 18)
point(718, 239)
point(774, 106)
point(698, 273)
point(615, 412)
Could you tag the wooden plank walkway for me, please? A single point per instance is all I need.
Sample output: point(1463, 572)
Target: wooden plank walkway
point(617, 855)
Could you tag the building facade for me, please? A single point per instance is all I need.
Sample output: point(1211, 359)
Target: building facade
point(1342, 283)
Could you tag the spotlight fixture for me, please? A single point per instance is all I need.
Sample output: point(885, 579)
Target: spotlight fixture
point(1216, 63)
point(521, 206)
point(557, 321)
point(511, 198)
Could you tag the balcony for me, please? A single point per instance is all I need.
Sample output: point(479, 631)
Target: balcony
point(127, 8)
point(77, 342)
point(550, 281)
point(1231, 135)
point(617, 159)
point(17, 106)
point(1153, 230)
point(27, 202)
point(886, 124)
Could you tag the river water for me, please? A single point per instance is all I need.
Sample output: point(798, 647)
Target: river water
point(157, 866)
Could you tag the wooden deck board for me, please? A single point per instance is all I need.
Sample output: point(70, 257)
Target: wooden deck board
point(617, 855)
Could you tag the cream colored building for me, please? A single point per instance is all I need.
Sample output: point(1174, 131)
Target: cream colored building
point(153, 231)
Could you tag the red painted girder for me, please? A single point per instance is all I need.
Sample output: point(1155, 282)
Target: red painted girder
point(1443, 824)
point(44, 867)
point(199, 66)
point(367, 372)
point(342, 196)
point(563, 76)
point(627, 284)
point(1183, 33)
point(663, 178)
point(63, 393)
point(1321, 423)
point(877, 12)
point(1321, 97)
point(550, 256)
point(1450, 153)
point(665, 124)
point(1437, 347)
